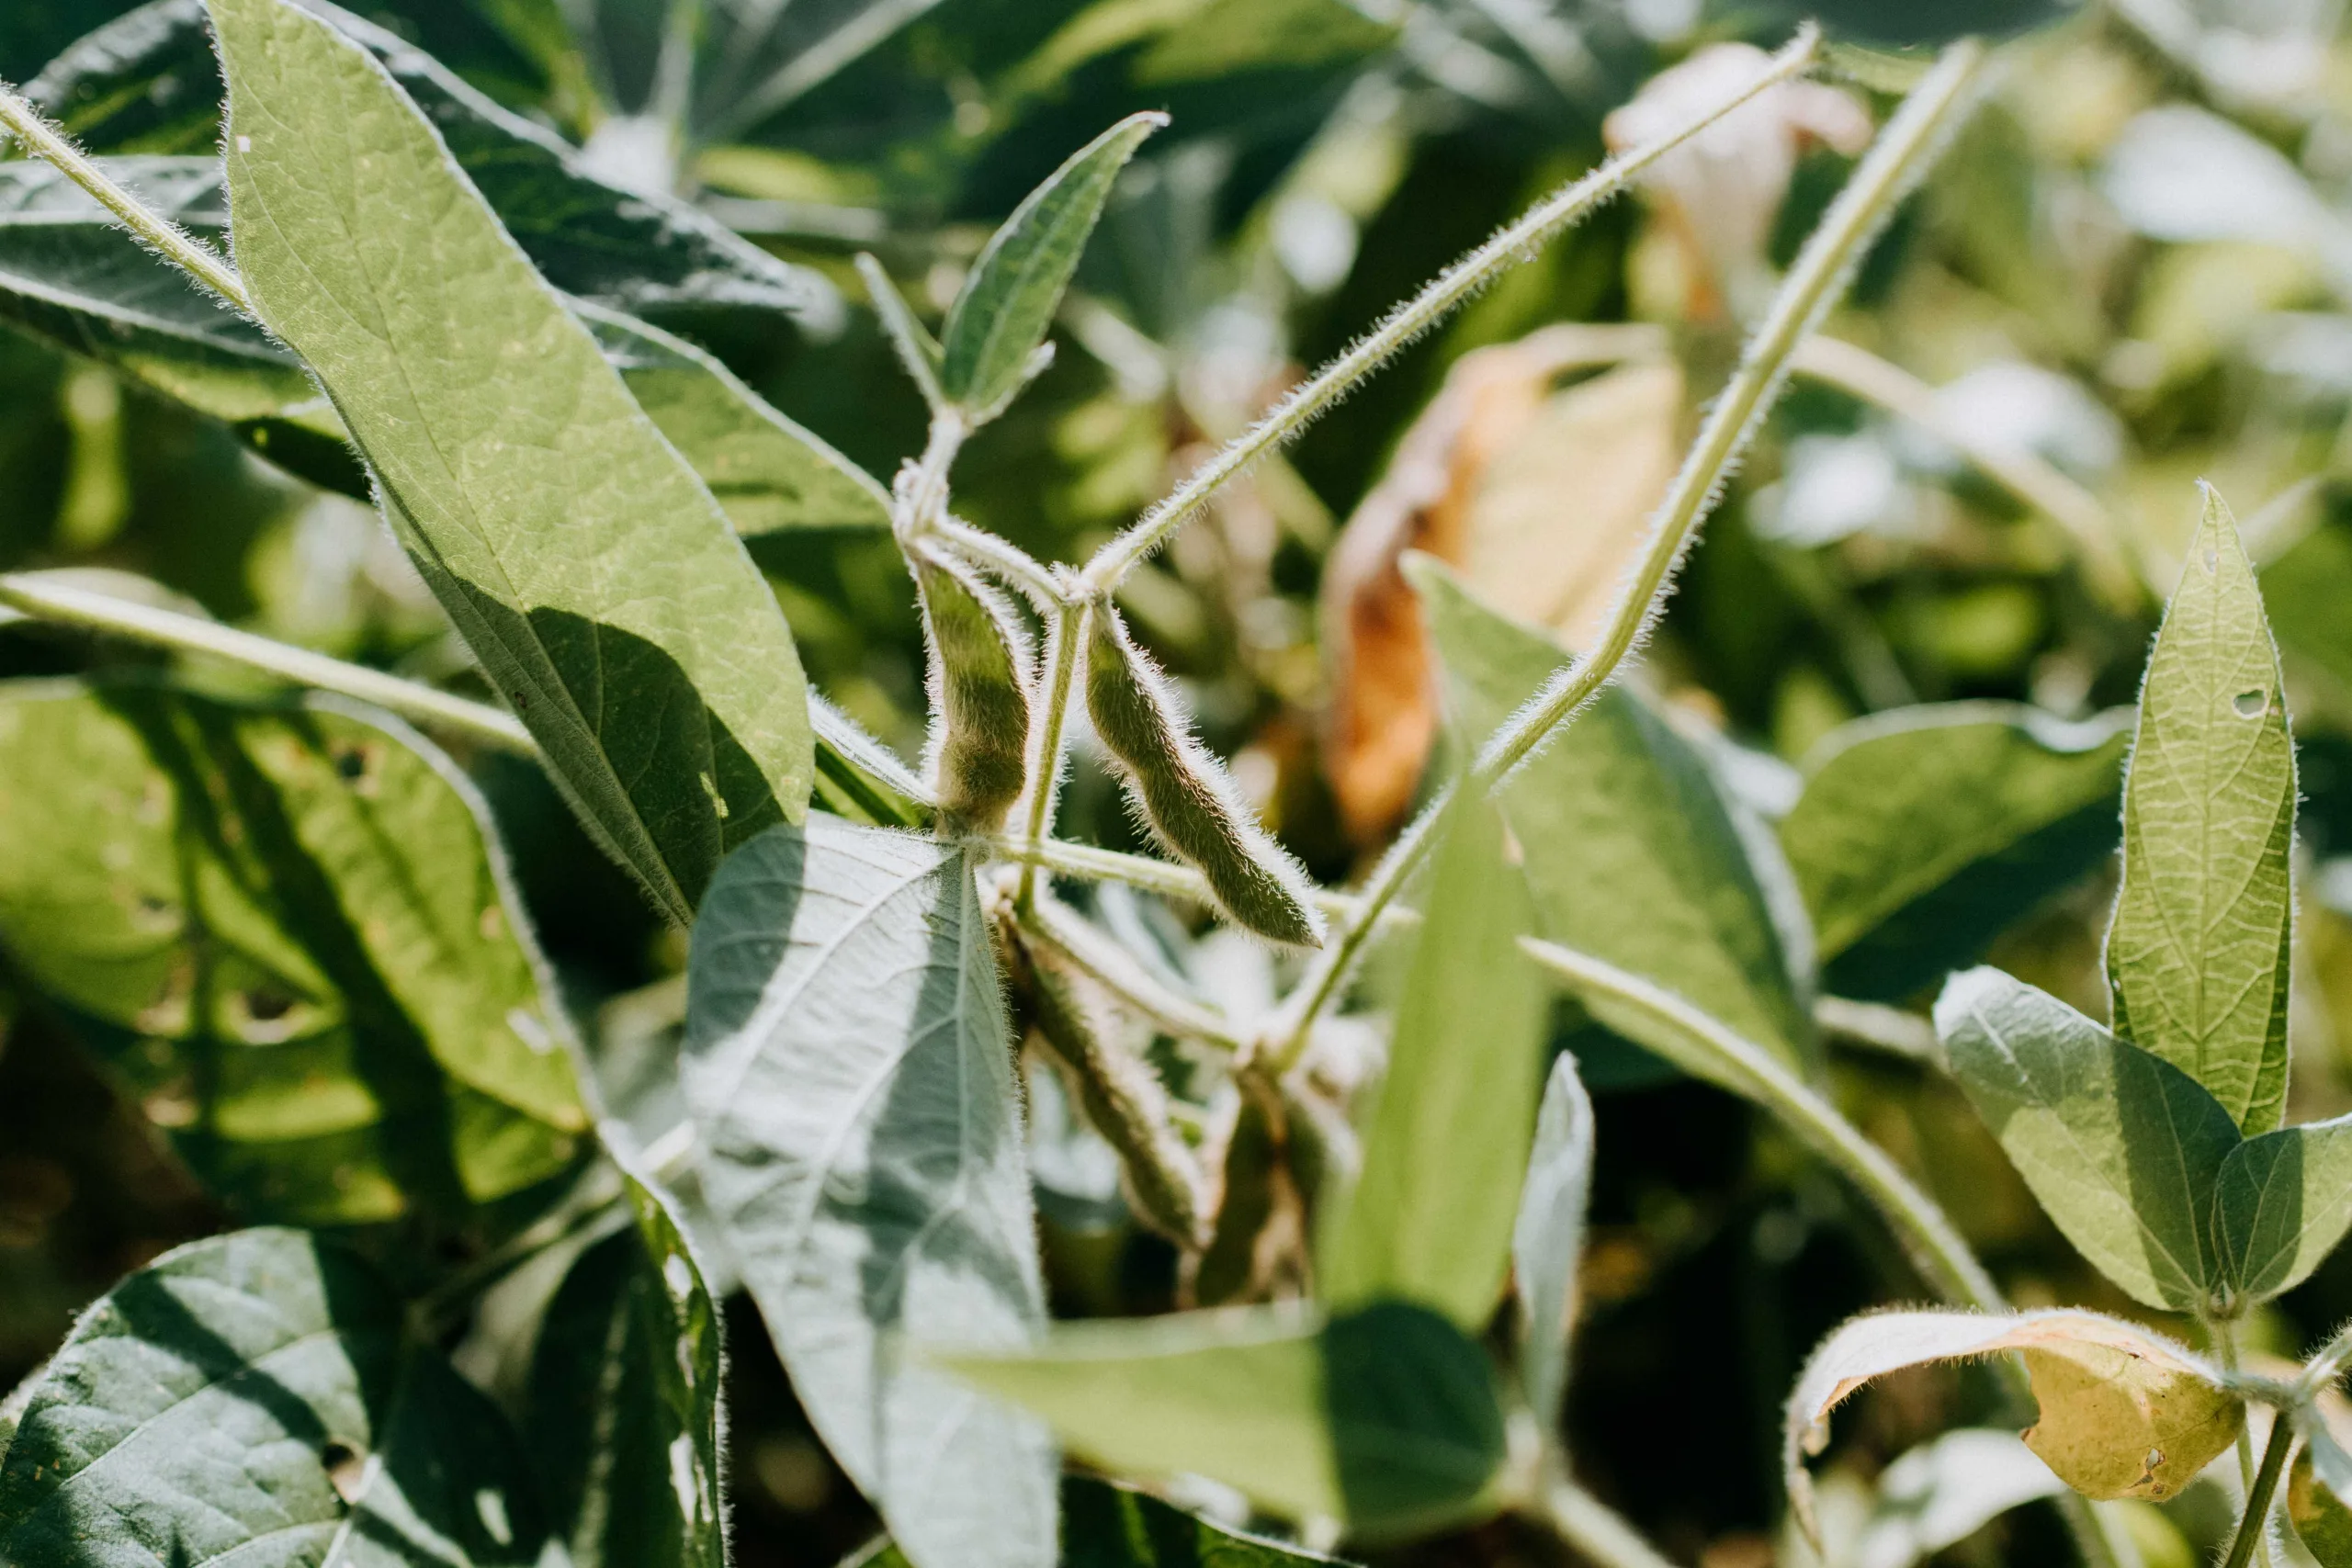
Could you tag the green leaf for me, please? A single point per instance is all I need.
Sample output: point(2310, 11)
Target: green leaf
point(1924, 832)
point(251, 1395)
point(1446, 1140)
point(584, 563)
point(1384, 1419)
point(2124, 1412)
point(860, 778)
point(69, 272)
point(1108, 1525)
point(639, 251)
point(765, 472)
point(848, 1071)
point(2305, 590)
point(2198, 954)
point(1633, 852)
point(1547, 1245)
point(1001, 318)
point(2322, 1522)
point(2123, 1149)
point(623, 1400)
point(290, 933)
point(2284, 1201)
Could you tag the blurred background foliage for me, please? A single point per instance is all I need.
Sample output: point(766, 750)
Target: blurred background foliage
point(2134, 269)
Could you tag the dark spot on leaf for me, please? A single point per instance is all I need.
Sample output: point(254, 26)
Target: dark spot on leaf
point(264, 1006)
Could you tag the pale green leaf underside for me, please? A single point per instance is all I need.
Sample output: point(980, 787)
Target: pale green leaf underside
point(1009, 301)
point(193, 1415)
point(1430, 1217)
point(290, 934)
point(848, 1071)
point(1922, 832)
point(2198, 954)
point(1631, 852)
point(1547, 1242)
point(591, 572)
point(2123, 1149)
point(1384, 1419)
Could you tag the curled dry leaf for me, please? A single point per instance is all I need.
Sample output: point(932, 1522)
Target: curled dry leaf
point(2124, 1412)
point(978, 671)
point(1721, 191)
point(1537, 495)
point(1186, 794)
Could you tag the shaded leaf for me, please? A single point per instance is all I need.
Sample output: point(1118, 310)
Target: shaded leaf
point(641, 251)
point(2283, 1203)
point(847, 1070)
point(2124, 1412)
point(1108, 1525)
point(1383, 1419)
point(1942, 1492)
point(584, 563)
point(2322, 1522)
point(2198, 952)
point(2122, 1148)
point(291, 935)
point(1447, 1134)
point(251, 1393)
point(1633, 851)
point(622, 1399)
point(1547, 1245)
point(1000, 318)
point(1924, 832)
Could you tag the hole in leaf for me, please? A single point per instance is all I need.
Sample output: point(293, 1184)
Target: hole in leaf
point(2251, 705)
point(2212, 558)
point(265, 1006)
point(346, 1470)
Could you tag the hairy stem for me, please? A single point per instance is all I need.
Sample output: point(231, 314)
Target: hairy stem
point(999, 559)
point(2254, 1528)
point(1065, 656)
point(174, 244)
point(65, 604)
point(1893, 164)
point(1168, 879)
point(1079, 943)
point(1700, 1044)
point(1456, 284)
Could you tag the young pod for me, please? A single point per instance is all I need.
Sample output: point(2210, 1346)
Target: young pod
point(1184, 793)
point(979, 664)
point(1122, 1097)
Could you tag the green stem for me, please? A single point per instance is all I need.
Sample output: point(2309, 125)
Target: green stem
point(1597, 1531)
point(1085, 948)
point(1886, 174)
point(1167, 878)
point(1064, 659)
point(174, 243)
point(65, 604)
point(1695, 1042)
point(1448, 290)
point(1001, 559)
point(2255, 1527)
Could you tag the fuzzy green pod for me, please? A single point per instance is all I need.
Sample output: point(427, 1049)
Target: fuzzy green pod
point(979, 664)
point(1123, 1099)
point(1185, 794)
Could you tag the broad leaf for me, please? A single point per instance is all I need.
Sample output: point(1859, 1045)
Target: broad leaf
point(1632, 850)
point(641, 251)
point(1924, 832)
point(1547, 1246)
point(1108, 1525)
point(2323, 1522)
point(2284, 1201)
point(588, 568)
point(1384, 1419)
point(623, 1400)
point(69, 272)
point(2123, 1412)
point(2123, 1149)
point(290, 933)
point(848, 1072)
point(251, 1397)
point(1001, 318)
point(2198, 952)
point(1430, 1217)
point(1940, 1493)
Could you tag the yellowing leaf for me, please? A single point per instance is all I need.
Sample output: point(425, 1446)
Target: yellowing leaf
point(2124, 1412)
